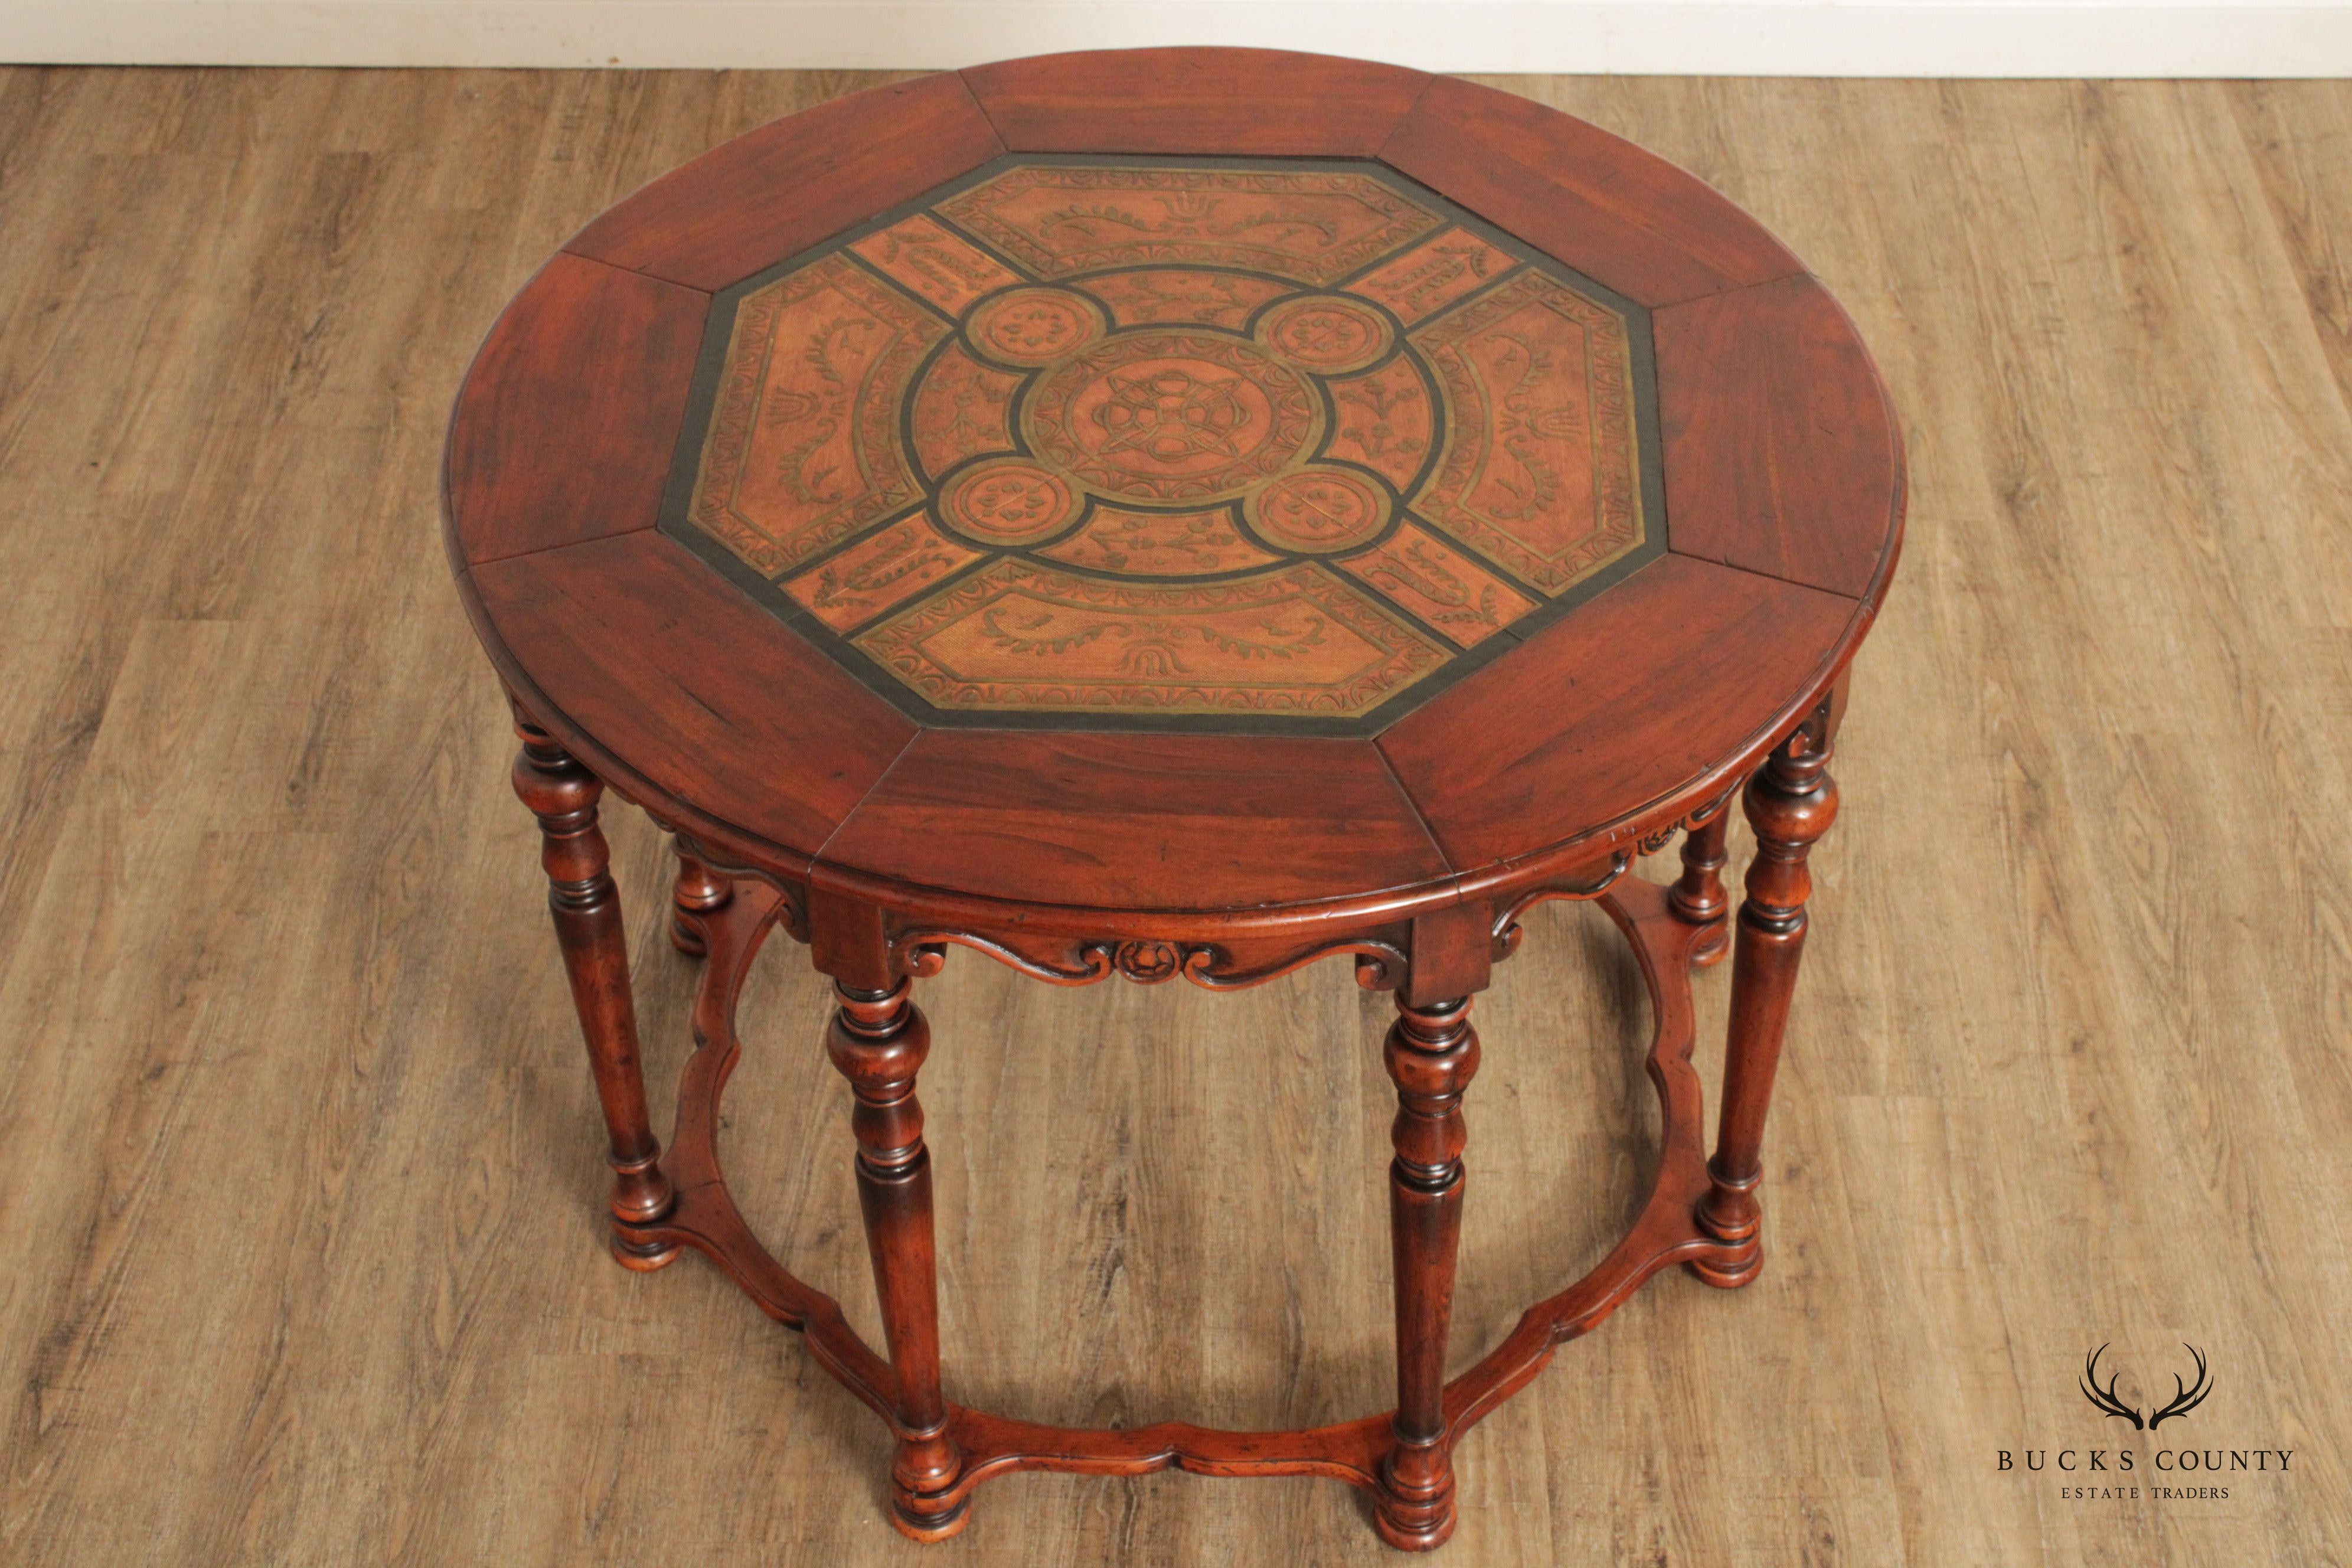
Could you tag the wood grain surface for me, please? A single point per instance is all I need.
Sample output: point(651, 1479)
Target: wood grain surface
point(551, 459)
point(1246, 819)
point(300, 1254)
point(1253, 100)
point(1641, 230)
point(735, 722)
point(1494, 771)
point(719, 219)
point(1740, 397)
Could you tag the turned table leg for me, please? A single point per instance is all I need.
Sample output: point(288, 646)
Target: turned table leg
point(1791, 801)
point(698, 891)
point(1697, 897)
point(587, 908)
point(1432, 1053)
point(879, 1040)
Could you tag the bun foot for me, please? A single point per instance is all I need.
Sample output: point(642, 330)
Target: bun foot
point(686, 936)
point(930, 1527)
point(1729, 1274)
point(642, 1256)
point(1415, 1526)
point(1729, 1214)
point(1413, 1507)
point(1713, 948)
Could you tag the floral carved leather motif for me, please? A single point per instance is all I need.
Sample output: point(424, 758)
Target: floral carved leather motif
point(1144, 444)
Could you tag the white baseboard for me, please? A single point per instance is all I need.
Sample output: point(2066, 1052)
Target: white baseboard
point(1738, 37)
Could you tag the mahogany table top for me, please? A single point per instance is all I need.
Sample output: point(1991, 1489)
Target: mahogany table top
point(1172, 480)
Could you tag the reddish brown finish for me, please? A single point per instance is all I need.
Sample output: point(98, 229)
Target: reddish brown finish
point(1790, 803)
point(849, 939)
point(565, 428)
point(587, 912)
point(792, 182)
point(1609, 209)
point(1580, 764)
point(1780, 451)
point(806, 802)
point(1195, 100)
point(1453, 955)
point(879, 1040)
point(1048, 817)
point(1432, 1053)
point(1665, 1232)
point(1496, 772)
point(705, 1215)
point(697, 892)
point(725, 738)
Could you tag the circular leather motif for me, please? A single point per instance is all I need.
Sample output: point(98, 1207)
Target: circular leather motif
point(1032, 326)
point(1172, 416)
point(1325, 333)
point(1008, 502)
point(1318, 510)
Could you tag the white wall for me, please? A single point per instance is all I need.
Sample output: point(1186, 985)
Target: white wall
point(1793, 38)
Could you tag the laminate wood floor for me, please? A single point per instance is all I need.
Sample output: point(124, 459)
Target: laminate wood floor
point(300, 1175)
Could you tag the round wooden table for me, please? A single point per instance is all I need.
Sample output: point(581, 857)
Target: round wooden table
point(1176, 513)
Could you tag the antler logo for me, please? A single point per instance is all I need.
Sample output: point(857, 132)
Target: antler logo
point(2184, 1399)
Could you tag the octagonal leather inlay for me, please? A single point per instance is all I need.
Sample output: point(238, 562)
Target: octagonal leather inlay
point(1227, 445)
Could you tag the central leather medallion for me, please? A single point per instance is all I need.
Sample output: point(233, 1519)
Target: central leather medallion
point(1161, 416)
